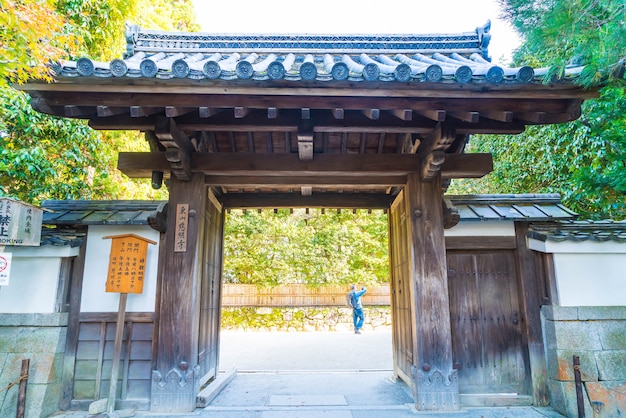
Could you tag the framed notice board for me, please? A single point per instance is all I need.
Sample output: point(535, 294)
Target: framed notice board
point(127, 263)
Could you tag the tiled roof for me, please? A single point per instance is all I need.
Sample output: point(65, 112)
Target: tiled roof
point(453, 58)
point(577, 231)
point(471, 208)
point(511, 207)
point(98, 212)
point(61, 237)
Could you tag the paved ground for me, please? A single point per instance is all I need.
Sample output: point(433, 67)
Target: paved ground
point(318, 375)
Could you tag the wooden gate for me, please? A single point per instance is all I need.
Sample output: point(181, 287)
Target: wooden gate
point(487, 342)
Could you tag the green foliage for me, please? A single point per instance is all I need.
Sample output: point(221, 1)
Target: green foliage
point(44, 157)
point(583, 32)
point(584, 161)
point(269, 249)
point(40, 157)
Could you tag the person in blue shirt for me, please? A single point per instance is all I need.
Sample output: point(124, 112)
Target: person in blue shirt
point(357, 307)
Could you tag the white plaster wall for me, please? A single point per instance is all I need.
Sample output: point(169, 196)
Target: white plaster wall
point(34, 279)
point(591, 279)
point(587, 273)
point(95, 298)
point(482, 229)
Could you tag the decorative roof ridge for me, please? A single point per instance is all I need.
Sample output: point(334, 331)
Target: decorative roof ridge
point(146, 40)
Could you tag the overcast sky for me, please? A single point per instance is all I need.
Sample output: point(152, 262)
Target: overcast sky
point(362, 17)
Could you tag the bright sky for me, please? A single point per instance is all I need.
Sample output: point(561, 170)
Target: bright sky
point(362, 17)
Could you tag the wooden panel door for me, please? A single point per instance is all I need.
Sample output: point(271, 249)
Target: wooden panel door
point(486, 322)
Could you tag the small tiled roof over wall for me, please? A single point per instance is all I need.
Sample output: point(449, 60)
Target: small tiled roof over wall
point(526, 207)
point(578, 231)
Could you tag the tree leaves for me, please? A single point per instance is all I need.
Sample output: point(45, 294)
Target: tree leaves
point(269, 249)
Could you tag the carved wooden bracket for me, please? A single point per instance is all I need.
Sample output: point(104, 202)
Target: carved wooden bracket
point(451, 216)
point(158, 220)
point(180, 162)
point(431, 165)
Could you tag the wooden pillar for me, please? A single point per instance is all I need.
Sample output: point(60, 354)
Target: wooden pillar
point(175, 374)
point(435, 382)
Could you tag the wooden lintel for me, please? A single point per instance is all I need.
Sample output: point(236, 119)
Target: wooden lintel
point(142, 164)
point(316, 200)
point(295, 181)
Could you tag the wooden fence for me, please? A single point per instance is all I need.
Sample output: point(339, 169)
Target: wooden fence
point(237, 295)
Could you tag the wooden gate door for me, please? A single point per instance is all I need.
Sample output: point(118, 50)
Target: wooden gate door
point(487, 343)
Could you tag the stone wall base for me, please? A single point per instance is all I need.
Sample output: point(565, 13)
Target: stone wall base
point(596, 335)
point(40, 338)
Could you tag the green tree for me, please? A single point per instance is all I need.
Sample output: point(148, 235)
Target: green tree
point(269, 249)
point(584, 160)
point(44, 157)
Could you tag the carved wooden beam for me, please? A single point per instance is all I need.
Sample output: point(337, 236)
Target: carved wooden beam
point(141, 164)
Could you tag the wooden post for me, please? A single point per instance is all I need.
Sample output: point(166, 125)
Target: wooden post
point(435, 380)
point(117, 352)
point(21, 394)
point(175, 375)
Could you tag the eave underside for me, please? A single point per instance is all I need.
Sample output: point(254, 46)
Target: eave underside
point(337, 146)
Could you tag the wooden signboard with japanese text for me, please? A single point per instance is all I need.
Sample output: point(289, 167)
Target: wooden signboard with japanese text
point(127, 263)
point(20, 223)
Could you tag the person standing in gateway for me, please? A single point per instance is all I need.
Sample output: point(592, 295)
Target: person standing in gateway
point(354, 299)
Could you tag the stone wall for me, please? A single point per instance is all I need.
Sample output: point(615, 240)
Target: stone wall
point(40, 338)
point(598, 336)
point(303, 318)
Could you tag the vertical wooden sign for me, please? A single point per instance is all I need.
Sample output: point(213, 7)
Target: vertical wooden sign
point(127, 263)
point(182, 216)
point(20, 223)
